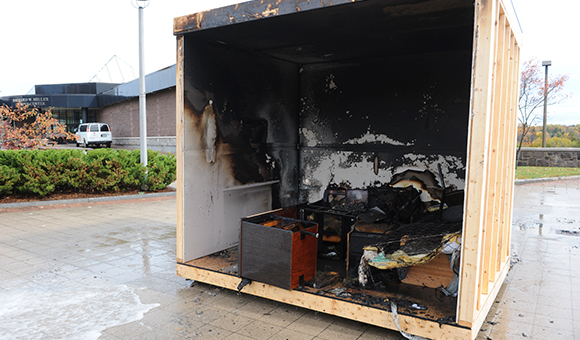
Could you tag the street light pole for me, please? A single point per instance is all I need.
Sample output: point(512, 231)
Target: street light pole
point(544, 130)
point(141, 4)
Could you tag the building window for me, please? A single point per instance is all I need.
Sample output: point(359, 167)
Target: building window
point(72, 118)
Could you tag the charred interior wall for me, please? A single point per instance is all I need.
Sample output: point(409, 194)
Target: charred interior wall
point(404, 112)
point(254, 100)
point(236, 133)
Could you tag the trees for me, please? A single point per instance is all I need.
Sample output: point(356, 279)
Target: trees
point(565, 136)
point(23, 127)
point(532, 90)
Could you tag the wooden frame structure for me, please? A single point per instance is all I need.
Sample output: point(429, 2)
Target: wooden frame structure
point(207, 199)
point(491, 168)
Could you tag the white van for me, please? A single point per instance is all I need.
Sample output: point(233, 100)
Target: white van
point(94, 133)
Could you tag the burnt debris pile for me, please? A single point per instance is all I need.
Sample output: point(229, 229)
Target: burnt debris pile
point(382, 230)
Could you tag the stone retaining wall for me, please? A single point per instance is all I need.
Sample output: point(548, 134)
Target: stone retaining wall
point(554, 157)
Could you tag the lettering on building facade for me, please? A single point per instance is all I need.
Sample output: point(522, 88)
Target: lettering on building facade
point(32, 101)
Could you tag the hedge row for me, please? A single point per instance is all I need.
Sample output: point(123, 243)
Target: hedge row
point(42, 172)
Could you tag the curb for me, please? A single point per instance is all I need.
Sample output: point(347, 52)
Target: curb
point(85, 200)
point(546, 179)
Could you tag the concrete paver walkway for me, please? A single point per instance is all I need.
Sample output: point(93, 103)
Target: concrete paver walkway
point(108, 269)
point(74, 271)
point(541, 296)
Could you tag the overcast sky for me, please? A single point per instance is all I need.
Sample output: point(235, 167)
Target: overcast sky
point(68, 41)
point(550, 32)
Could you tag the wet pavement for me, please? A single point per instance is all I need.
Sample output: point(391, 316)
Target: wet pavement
point(541, 296)
point(106, 270)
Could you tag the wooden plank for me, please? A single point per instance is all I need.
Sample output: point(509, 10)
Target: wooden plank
point(508, 163)
point(324, 304)
point(509, 149)
point(489, 299)
point(487, 207)
point(434, 274)
point(476, 161)
point(515, 79)
point(489, 221)
point(499, 111)
point(509, 11)
point(179, 111)
point(505, 146)
point(492, 224)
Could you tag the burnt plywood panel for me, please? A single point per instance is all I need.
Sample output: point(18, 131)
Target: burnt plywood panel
point(402, 113)
point(246, 13)
point(235, 133)
point(256, 122)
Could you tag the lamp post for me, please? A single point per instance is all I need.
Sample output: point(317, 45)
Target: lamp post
point(544, 133)
point(141, 4)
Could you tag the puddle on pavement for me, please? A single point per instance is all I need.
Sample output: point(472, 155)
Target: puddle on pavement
point(69, 311)
point(542, 224)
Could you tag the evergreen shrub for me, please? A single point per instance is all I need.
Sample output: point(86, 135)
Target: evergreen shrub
point(42, 172)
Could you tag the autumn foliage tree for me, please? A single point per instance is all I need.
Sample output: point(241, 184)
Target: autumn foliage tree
point(532, 90)
point(23, 127)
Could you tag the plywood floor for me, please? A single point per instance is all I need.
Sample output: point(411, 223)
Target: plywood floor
point(416, 296)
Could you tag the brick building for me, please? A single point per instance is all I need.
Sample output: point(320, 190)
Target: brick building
point(114, 104)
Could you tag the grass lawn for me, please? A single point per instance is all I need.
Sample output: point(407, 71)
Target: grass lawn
point(527, 172)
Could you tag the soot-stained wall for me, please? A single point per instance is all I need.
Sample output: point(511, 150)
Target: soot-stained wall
point(405, 112)
point(315, 125)
point(240, 128)
point(252, 103)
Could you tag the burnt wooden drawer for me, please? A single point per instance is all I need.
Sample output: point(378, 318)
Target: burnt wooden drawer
point(278, 251)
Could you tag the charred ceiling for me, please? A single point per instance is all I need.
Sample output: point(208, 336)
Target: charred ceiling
point(320, 32)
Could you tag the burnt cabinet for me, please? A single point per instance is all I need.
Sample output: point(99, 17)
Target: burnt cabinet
point(278, 251)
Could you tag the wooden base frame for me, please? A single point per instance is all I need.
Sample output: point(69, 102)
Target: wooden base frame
point(333, 306)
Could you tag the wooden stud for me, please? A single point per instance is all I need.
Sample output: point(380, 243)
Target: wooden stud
point(489, 221)
point(511, 178)
point(476, 150)
point(499, 111)
point(489, 300)
point(506, 145)
point(488, 209)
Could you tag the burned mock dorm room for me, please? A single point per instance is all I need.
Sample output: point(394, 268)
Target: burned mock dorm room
point(352, 156)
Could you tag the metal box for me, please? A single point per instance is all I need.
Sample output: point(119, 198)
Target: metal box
point(278, 251)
